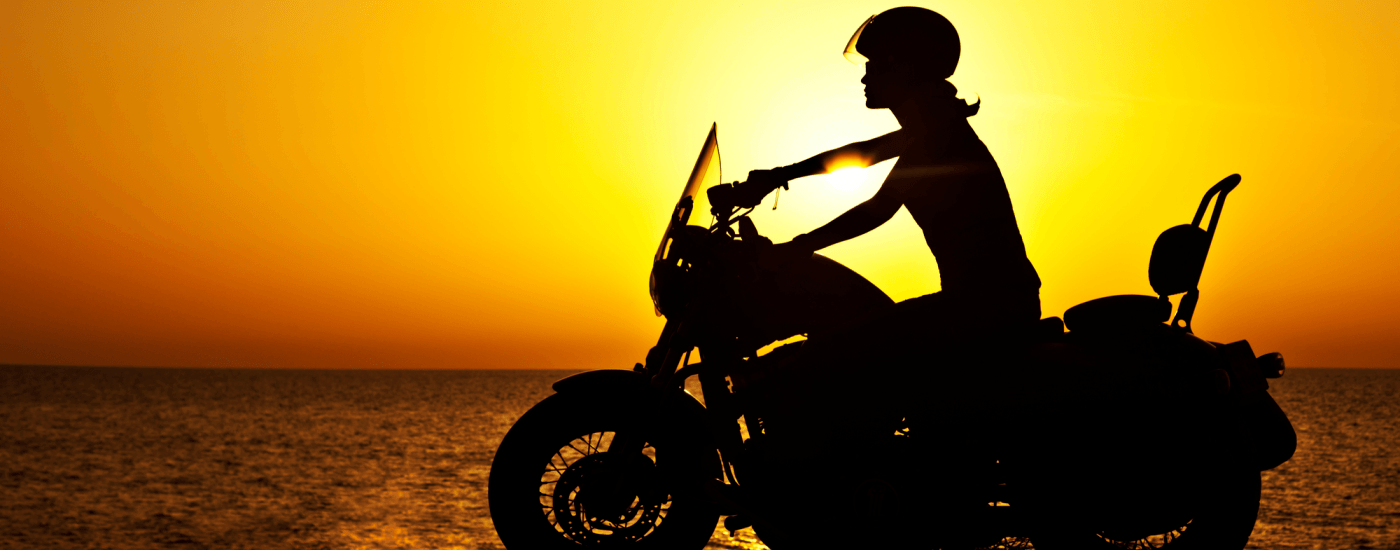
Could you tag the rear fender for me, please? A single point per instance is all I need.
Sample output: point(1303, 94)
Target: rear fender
point(1262, 432)
point(1268, 439)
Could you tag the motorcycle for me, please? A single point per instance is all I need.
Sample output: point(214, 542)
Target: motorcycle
point(1151, 438)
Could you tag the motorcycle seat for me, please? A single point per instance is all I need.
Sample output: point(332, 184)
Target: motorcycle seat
point(1116, 313)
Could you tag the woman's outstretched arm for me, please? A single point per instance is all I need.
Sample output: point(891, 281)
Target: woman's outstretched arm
point(859, 154)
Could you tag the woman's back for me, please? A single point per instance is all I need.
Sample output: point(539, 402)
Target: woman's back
point(953, 189)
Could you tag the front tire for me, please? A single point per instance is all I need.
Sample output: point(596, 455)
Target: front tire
point(555, 485)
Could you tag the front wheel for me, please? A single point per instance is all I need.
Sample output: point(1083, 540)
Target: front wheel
point(558, 482)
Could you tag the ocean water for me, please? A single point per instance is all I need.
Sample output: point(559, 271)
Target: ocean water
point(179, 458)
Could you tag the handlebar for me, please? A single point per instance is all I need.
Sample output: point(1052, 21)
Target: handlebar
point(727, 197)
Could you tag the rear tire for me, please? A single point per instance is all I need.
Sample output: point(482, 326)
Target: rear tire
point(1225, 521)
point(545, 481)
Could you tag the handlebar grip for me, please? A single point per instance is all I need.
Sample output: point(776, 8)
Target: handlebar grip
point(727, 196)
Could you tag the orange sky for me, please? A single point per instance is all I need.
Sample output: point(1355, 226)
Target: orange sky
point(446, 184)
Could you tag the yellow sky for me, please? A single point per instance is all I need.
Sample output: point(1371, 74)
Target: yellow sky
point(448, 184)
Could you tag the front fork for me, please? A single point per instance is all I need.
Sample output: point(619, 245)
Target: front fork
point(661, 363)
point(722, 412)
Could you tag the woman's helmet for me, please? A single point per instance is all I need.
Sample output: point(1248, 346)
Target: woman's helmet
point(916, 38)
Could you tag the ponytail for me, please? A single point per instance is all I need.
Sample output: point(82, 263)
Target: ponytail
point(947, 94)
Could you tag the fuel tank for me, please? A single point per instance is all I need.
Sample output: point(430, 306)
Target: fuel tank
point(804, 297)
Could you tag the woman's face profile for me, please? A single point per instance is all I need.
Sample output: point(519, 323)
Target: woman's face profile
point(884, 88)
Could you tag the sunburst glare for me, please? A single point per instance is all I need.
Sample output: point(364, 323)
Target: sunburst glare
point(847, 179)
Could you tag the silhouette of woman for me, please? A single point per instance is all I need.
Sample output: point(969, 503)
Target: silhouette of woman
point(954, 190)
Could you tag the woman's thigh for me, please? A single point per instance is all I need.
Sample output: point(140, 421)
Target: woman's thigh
point(860, 364)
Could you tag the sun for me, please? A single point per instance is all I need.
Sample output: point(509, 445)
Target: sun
point(846, 179)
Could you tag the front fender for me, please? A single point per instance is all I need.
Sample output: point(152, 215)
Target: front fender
point(670, 411)
point(673, 404)
point(607, 380)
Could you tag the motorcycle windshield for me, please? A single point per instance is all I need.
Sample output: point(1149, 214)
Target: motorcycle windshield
point(693, 203)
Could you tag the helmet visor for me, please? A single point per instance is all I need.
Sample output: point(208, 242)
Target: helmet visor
point(851, 54)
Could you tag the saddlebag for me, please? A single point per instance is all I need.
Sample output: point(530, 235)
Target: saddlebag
point(1260, 433)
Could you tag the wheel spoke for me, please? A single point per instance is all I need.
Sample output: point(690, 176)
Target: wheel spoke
point(566, 515)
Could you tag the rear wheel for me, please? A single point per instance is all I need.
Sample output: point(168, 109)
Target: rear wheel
point(559, 482)
point(1224, 520)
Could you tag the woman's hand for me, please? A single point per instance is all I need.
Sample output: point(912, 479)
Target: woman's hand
point(772, 179)
point(759, 185)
